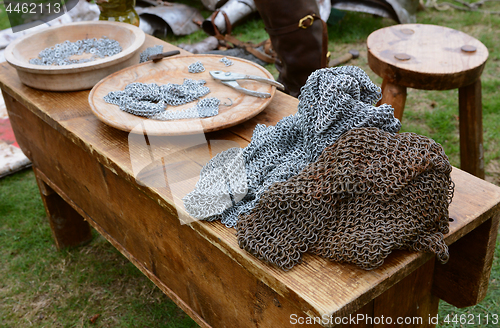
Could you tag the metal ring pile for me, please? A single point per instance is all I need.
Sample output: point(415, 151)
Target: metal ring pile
point(226, 61)
point(196, 67)
point(368, 194)
point(61, 52)
point(206, 107)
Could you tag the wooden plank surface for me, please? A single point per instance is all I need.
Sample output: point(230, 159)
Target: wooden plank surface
point(316, 287)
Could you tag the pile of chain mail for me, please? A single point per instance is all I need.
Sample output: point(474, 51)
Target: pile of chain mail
point(332, 102)
point(368, 194)
point(335, 180)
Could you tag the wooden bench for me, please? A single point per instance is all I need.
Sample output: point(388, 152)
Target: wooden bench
point(84, 171)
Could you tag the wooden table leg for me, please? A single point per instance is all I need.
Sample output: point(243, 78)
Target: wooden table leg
point(411, 300)
point(471, 129)
point(394, 95)
point(68, 227)
point(463, 281)
point(409, 303)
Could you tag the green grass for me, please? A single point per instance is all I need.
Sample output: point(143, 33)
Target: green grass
point(41, 287)
point(4, 19)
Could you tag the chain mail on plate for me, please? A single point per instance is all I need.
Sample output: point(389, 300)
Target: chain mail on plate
point(368, 194)
point(332, 102)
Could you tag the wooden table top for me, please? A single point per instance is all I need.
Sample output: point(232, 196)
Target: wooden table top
point(317, 287)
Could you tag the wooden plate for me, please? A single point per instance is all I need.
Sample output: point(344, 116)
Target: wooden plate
point(76, 76)
point(235, 107)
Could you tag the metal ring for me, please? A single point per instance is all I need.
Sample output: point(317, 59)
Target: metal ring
point(303, 19)
point(229, 104)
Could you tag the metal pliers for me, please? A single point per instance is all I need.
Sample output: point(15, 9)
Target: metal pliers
point(229, 79)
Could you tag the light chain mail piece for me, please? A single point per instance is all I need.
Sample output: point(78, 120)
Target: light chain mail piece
point(333, 101)
point(226, 61)
point(148, 100)
point(151, 51)
point(196, 67)
point(370, 193)
point(206, 107)
point(60, 53)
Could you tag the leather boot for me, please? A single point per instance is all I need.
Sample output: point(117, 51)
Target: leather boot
point(299, 38)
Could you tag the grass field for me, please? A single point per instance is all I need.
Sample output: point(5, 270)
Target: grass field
point(40, 287)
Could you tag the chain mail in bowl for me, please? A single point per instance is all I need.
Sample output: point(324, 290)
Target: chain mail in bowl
point(368, 194)
point(333, 101)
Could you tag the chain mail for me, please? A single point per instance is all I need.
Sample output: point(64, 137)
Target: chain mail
point(61, 52)
point(368, 194)
point(151, 100)
point(206, 107)
point(226, 61)
point(196, 67)
point(332, 102)
point(151, 51)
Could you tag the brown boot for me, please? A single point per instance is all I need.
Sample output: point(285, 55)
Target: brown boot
point(299, 37)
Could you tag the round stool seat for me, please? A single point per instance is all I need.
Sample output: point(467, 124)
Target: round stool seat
point(426, 57)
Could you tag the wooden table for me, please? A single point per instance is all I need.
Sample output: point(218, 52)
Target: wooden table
point(85, 174)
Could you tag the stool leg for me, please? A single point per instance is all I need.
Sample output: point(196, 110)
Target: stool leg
point(471, 129)
point(394, 95)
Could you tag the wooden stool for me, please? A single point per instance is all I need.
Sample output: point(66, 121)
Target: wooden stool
point(433, 57)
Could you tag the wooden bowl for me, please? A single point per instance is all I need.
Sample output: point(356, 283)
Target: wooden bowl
point(76, 76)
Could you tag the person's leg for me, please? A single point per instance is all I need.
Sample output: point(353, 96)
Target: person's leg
point(299, 37)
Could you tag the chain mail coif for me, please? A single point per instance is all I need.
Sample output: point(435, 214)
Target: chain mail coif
point(368, 194)
point(333, 101)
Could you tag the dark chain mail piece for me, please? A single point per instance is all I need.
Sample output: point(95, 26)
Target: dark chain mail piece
point(332, 102)
point(370, 193)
